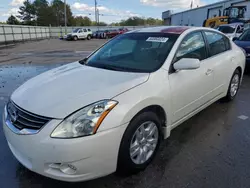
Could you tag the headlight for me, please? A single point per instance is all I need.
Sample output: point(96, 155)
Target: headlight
point(85, 121)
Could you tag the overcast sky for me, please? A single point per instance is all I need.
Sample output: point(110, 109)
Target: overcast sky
point(113, 10)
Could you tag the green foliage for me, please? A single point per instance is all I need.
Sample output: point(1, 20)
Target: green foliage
point(12, 20)
point(27, 13)
point(136, 21)
point(82, 21)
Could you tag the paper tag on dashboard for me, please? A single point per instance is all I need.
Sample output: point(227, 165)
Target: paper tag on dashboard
point(157, 39)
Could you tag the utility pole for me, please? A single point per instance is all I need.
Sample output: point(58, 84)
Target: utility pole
point(96, 11)
point(65, 17)
point(98, 16)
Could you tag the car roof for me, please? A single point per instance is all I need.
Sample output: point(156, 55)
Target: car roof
point(232, 24)
point(169, 29)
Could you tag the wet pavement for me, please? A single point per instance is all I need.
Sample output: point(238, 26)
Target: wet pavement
point(210, 150)
point(49, 51)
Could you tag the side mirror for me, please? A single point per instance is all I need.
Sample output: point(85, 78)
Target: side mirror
point(240, 31)
point(187, 64)
point(235, 38)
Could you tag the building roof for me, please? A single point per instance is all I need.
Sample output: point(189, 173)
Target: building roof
point(213, 4)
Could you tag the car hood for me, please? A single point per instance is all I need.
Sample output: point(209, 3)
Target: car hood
point(243, 44)
point(61, 91)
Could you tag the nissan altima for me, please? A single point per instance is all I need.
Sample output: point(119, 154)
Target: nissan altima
point(110, 111)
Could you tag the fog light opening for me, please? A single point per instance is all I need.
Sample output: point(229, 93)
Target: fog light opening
point(64, 168)
point(68, 169)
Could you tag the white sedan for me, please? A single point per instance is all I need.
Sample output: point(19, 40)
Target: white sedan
point(110, 111)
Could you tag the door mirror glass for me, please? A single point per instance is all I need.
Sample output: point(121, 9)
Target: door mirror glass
point(187, 64)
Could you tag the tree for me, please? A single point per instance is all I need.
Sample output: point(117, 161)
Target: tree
point(27, 13)
point(12, 20)
point(102, 24)
point(43, 12)
point(82, 21)
point(58, 10)
point(133, 21)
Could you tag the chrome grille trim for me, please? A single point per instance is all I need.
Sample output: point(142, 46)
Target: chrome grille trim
point(24, 120)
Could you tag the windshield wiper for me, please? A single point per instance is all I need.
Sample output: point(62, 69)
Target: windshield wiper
point(115, 68)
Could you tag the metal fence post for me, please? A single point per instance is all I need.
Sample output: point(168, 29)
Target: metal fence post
point(13, 35)
point(35, 32)
point(49, 31)
point(5, 41)
point(41, 33)
point(29, 33)
point(22, 33)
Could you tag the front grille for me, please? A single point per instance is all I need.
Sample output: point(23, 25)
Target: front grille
point(22, 119)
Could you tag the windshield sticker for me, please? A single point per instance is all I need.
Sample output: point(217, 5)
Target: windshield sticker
point(157, 39)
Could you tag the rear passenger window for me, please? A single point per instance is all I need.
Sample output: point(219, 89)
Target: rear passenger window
point(217, 43)
point(193, 46)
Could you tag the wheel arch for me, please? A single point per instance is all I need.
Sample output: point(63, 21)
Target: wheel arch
point(158, 110)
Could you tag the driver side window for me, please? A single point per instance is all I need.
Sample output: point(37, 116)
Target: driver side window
point(193, 46)
point(123, 47)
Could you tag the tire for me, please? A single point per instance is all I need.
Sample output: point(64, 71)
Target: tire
point(88, 37)
point(233, 87)
point(129, 159)
point(75, 38)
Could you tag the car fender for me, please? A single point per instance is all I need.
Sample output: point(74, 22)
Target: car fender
point(239, 59)
point(131, 102)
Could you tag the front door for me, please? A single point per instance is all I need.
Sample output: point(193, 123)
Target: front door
point(191, 89)
point(80, 34)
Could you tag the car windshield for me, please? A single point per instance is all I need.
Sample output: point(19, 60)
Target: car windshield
point(76, 30)
point(245, 36)
point(134, 52)
point(226, 29)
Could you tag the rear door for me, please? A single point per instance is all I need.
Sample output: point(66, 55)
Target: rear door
point(220, 54)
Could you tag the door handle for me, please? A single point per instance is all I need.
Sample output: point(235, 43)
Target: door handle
point(209, 71)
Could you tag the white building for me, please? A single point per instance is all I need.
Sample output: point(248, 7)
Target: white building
point(196, 16)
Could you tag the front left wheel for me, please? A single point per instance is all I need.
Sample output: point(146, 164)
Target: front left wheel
point(139, 143)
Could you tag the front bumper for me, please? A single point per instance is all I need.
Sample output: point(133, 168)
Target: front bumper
point(92, 157)
point(68, 37)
